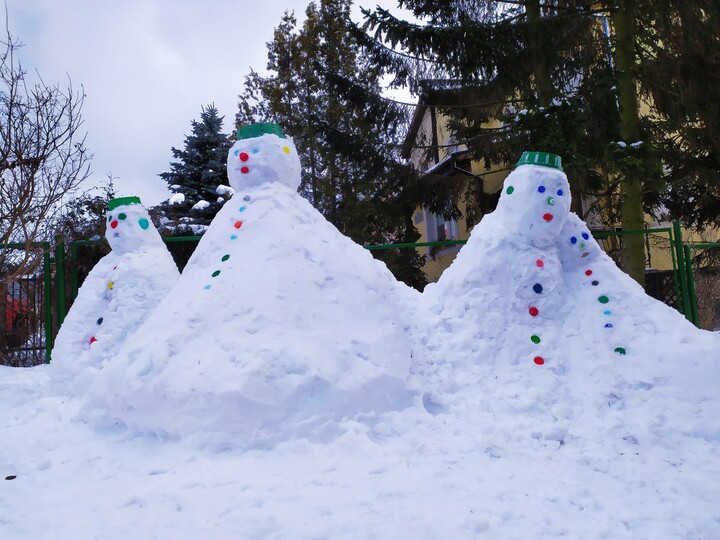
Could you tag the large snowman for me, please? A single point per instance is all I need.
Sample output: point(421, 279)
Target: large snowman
point(281, 323)
point(117, 295)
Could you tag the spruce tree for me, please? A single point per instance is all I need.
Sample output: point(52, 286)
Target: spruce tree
point(547, 71)
point(196, 173)
point(352, 171)
point(679, 71)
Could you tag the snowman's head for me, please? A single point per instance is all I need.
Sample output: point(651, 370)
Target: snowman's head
point(576, 246)
point(535, 200)
point(262, 155)
point(129, 227)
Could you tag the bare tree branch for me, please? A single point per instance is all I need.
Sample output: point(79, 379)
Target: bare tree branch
point(42, 158)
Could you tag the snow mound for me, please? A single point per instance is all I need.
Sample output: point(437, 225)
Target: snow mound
point(115, 298)
point(278, 325)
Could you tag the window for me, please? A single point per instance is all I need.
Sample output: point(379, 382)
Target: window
point(441, 229)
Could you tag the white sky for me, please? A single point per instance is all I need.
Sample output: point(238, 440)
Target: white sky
point(147, 67)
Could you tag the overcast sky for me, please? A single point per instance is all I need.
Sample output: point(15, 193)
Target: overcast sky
point(147, 68)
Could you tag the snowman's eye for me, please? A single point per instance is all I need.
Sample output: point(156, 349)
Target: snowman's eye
point(541, 189)
point(144, 223)
point(255, 150)
point(560, 192)
point(585, 235)
point(573, 240)
point(122, 216)
point(236, 152)
point(109, 218)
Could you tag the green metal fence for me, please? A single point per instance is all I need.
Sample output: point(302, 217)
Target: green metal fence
point(684, 276)
point(702, 263)
point(26, 317)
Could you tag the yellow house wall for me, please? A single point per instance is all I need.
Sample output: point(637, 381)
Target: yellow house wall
point(492, 182)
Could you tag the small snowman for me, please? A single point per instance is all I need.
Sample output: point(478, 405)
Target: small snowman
point(607, 303)
point(588, 276)
point(118, 293)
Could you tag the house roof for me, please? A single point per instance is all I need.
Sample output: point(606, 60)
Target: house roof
point(448, 165)
point(427, 86)
point(415, 124)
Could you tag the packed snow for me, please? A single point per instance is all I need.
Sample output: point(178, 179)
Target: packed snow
point(124, 287)
point(287, 386)
point(177, 198)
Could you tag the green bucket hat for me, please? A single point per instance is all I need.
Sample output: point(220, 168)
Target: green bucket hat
point(257, 130)
point(543, 159)
point(122, 201)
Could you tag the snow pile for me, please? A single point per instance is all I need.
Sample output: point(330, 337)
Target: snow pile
point(534, 309)
point(200, 205)
point(279, 324)
point(177, 198)
point(268, 394)
point(117, 295)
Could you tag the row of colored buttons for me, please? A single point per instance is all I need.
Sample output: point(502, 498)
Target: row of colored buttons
point(237, 224)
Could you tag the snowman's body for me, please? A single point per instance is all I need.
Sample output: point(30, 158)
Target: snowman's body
point(498, 308)
point(506, 285)
point(259, 319)
point(117, 295)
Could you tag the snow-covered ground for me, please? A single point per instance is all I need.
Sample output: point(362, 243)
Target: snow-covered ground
point(533, 392)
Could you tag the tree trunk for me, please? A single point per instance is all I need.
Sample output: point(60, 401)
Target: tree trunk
point(543, 81)
point(631, 189)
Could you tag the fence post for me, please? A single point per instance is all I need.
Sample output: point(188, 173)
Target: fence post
point(694, 312)
point(60, 278)
point(47, 301)
point(676, 273)
point(73, 269)
point(682, 266)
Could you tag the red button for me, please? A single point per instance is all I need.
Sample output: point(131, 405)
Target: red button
point(539, 360)
point(93, 340)
point(540, 263)
point(244, 170)
point(548, 217)
point(238, 224)
point(534, 311)
point(588, 272)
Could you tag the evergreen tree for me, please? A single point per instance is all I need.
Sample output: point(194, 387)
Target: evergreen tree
point(195, 175)
point(679, 69)
point(352, 172)
point(546, 71)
